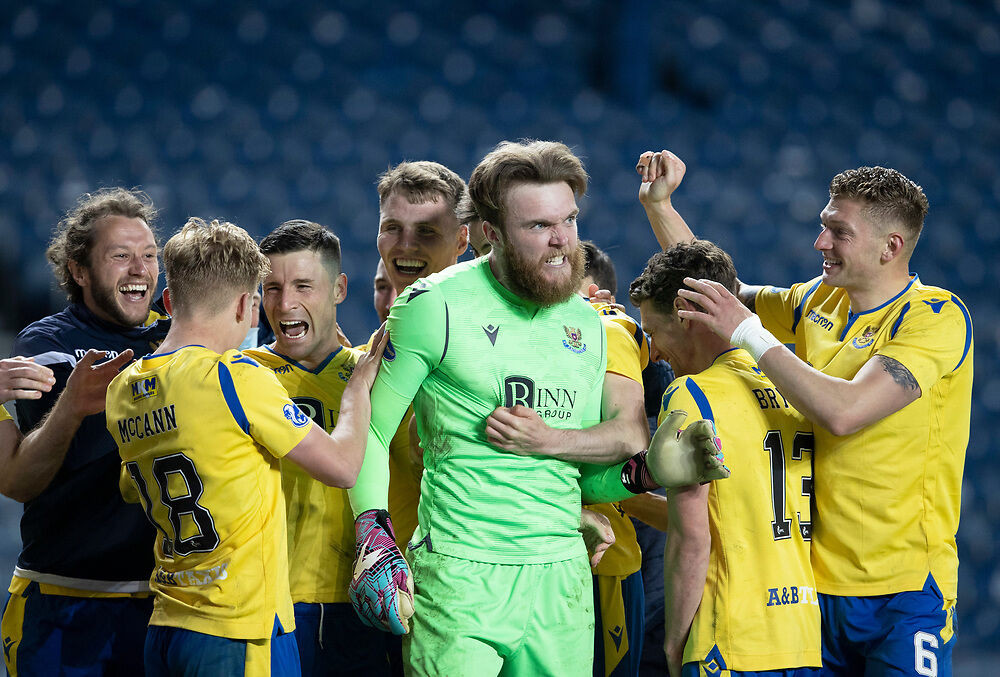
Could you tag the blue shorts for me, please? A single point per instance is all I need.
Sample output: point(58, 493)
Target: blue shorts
point(176, 652)
point(47, 634)
point(619, 629)
point(905, 633)
point(332, 640)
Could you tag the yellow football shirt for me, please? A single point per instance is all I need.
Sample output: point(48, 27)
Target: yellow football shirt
point(200, 436)
point(759, 605)
point(888, 497)
point(628, 355)
point(319, 518)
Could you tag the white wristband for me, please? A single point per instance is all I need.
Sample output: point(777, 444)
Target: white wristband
point(752, 337)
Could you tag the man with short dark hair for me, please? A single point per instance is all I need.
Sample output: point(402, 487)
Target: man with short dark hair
point(82, 578)
point(301, 294)
point(719, 567)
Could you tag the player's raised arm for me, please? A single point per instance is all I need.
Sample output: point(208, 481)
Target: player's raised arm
point(662, 172)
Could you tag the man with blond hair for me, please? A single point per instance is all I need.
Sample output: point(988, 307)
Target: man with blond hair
point(201, 429)
point(495, 526)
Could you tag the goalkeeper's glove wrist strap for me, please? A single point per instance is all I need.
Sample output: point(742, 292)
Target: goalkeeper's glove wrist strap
point(635, 475)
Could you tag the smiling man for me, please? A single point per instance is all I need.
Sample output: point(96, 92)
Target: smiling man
point(505, 330)
point(82, 577)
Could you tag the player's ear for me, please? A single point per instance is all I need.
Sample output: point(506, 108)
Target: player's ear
point(168, 302)
point(493, 234)
point(893, 247)
point(244, 306)
point(340, 288)
point(79, 272)
point(462, 243)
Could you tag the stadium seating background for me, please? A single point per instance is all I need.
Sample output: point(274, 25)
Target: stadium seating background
point(262, 111)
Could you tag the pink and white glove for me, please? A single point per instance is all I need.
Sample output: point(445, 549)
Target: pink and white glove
point(382, 586)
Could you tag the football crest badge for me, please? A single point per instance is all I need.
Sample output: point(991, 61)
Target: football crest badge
point(866, 339)
point(574, 339)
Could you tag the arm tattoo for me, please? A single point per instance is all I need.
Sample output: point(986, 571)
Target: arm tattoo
point(748, 295)
point(899, 373)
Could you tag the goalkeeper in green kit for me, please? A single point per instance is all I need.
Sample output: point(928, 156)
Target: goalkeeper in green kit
point(500, 575)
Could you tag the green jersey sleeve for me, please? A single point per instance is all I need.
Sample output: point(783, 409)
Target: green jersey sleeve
point(418, 340)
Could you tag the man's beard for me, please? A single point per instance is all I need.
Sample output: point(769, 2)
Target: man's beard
point(106, 298)
point(526, 280)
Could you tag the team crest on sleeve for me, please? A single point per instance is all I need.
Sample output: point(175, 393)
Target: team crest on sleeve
point(574, 339)
point(390, 352)
point(866, 339)
point(295, 415)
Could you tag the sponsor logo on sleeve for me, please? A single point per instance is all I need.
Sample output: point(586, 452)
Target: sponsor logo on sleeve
point(295, 415)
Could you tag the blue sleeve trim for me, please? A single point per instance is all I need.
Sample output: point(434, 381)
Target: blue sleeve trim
point(667, 395)
point(699, 398)
point(802, 305)
point(899, 320)
point(244, 359)
point(968, 329)
point(232, 399)
point(639, 336)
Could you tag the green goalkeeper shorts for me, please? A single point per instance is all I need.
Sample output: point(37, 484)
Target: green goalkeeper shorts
point(479, 619)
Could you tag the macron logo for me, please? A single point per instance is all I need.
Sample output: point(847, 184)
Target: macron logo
point(491, 333)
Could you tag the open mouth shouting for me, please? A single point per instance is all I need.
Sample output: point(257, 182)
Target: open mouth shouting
point(556, 261)
point(293, 330)
point(411, 267)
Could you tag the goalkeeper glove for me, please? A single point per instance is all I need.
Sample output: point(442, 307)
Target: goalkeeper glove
point(677, 458)
point(381, 586)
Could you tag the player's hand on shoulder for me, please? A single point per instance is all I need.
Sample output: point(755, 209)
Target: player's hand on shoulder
point(597, 534)
point(598, 295)
point(22, 379)
point(520, 430)
point(678, 458)
point(367, 367)
point(381, 586)
point(661, 173)
point(87, 385)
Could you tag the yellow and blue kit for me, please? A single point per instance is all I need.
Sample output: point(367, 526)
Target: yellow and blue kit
point(200, 437)
point(759, 608)
point(329, 634)
point(618, 590)
point(888, 497)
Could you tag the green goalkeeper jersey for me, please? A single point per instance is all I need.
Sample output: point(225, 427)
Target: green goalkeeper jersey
point(460, 345)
